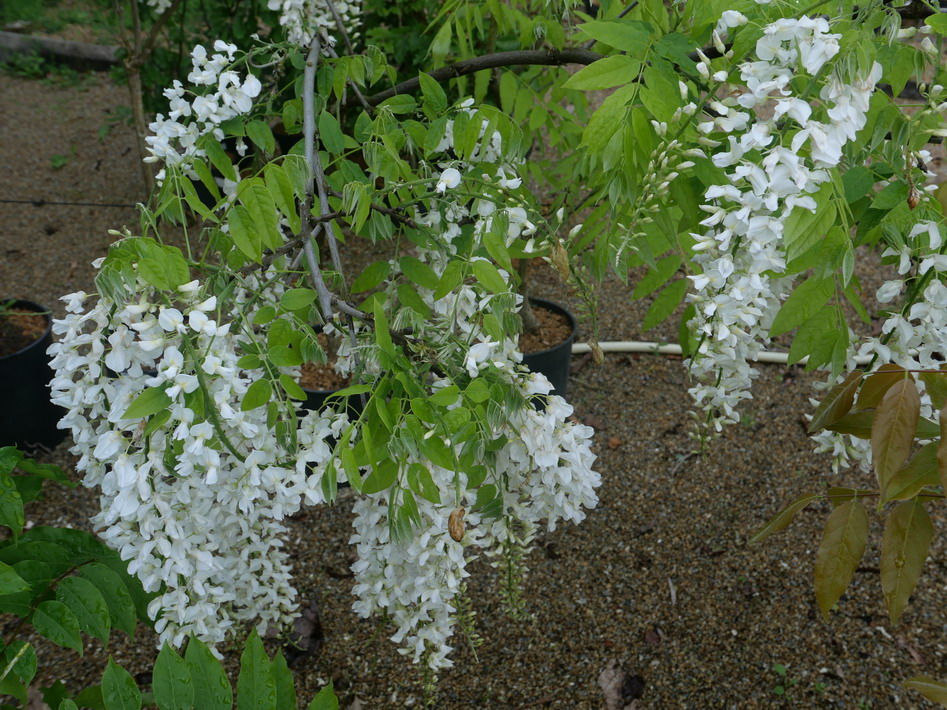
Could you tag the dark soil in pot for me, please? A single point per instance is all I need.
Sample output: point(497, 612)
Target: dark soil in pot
point(19, 328)
point(549, 349)
point(27, 418)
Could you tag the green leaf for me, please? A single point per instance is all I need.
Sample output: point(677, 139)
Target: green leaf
point(411, 299)
point(172, 681)
point(784, 517)
point(257, 395)
point(892, 431)
point(381, 478)
point(56, 622)
point(933, 690)
point(803, 229)
point(244, 233)
point(25, 666)
point(330, 132)
point(291, 388)
point(857, 181)
point(382, 336)
point(87, 604)
point(11, 506)
point(119, 690)
point(255, 687)
point(297, 298)
point(907, 539)
point(218, 157)
point(841, 549)
point(325, 699)
point(91, 697)
point(373, 275)
point(478, 390)
point(283, 678)
point(121, 608)
point(489, 277)
point(804, 303)
point(938, 23)
point(435, 100)
point(665, 304)
point(630, 37)
point(421, 482)
point(451, 278)
point(212, 689)
point(259, 132)
point(657, 277)
point(605, 73)
point(445, 396)
point(280, 185)
point(149, 402)
point(417, 271)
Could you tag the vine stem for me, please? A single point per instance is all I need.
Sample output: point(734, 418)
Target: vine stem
point(309, 131)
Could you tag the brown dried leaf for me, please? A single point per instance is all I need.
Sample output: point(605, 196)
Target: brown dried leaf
point(933, 690)
point(455, 525)
point(907, 538)
point(892, 432)
point(841, 549)
point(877, 384)
point(908, 481)
point(837, 402)
point(783, 517)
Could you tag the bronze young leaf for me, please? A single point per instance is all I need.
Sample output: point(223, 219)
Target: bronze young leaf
point(841, 549)
point(784, 517)
point(892, 432)
point(877, 385)
point(942, 447)
point(933, 690)
point(907, 538)
point(836, 404)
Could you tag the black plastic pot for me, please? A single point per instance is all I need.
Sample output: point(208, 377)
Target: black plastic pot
point(555, 362)
point(316, 400)
point(27, 417)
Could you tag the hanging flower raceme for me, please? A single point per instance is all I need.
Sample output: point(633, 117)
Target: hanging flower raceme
point(193, 487)
point(176, 138)
point(742, 255)
point(303, 18)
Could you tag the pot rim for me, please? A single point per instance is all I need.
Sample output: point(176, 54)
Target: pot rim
point(562, 310)
point(32, 306)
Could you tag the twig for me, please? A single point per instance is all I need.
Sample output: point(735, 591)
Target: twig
point(157, 27)
point(526, 57)
point(340, 26)
point(393, 213)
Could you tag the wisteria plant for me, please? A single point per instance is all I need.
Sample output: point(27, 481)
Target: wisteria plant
point(748, 154)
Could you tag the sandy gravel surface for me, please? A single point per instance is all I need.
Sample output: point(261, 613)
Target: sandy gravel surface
point(657, 585)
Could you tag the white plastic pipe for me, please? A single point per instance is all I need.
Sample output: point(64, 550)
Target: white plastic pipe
point(638, 346)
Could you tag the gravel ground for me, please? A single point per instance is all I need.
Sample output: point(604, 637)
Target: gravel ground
point(657, 588)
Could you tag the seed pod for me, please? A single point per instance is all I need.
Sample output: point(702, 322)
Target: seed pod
point(914, 197)
point(455, 525)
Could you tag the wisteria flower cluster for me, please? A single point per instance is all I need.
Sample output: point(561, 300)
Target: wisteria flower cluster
point(193, 488)
point(742, 255)
point(226, 95)
point(304, 18)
